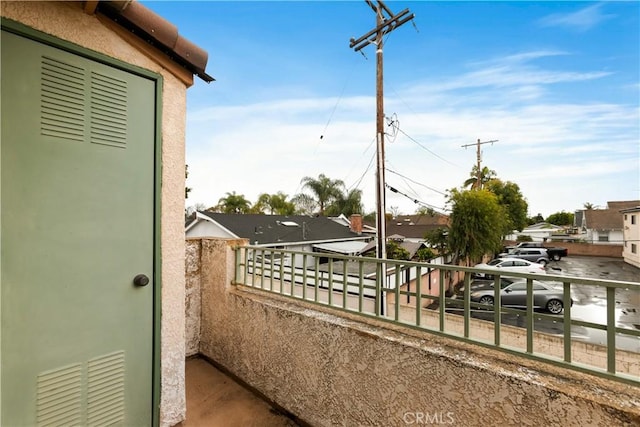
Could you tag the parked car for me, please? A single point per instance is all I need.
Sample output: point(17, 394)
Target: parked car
point(511, 264)
point(538, 255)
point(554, 252)
point(513, 293)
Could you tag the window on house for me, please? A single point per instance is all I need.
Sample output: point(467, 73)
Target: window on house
point(603, 237)
point(634, 248)
point(633, 219)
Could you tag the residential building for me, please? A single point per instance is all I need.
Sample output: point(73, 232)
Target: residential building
point(631, 235)
point(415, 227)
point(540, 232)
point(92, 244)
point(293, 232)
point(603, 226)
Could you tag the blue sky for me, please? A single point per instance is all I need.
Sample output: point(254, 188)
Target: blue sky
point(556, 83)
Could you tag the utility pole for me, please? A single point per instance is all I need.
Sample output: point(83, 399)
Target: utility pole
point(479, 156)
point(386, 22)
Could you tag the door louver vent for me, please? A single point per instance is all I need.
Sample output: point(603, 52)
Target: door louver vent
point(62, 113)
point(108, 110)
point(105, 390)
point(59, 397)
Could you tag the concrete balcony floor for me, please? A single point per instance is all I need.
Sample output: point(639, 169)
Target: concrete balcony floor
point(215, 399)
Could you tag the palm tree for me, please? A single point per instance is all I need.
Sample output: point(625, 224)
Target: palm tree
point(588, 206)
point(324, 189)
point(486, 175)
point(276, 204)
point(347, 204)
point(234, 203)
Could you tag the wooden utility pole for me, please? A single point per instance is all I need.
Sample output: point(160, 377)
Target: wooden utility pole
point(479, 157)
point(386, 22)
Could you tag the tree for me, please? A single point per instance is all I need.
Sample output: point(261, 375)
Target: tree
point(395, 251)
point(438, 240)
point(276, 204)
point(515, 205)
point(234, 203)
point(561, 218)
point(535, 219)
point(588, 206)
point(424, 210)
point(304, 204)
point(425, 254)
point(347, 204)
point(324, 189)
point(486, 175)
point(187, 190)
point(477, 224)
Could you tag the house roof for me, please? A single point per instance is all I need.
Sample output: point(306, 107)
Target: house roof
point(619, 205)
point(411, 247)
point(154, 30)
point(603, 219)
point(416, 226)
point(610, 218)
point(280, 229)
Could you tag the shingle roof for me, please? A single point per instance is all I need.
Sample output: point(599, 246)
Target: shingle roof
point(416, 226)
point(603, 219)
point(623, 204)
point(280, 229)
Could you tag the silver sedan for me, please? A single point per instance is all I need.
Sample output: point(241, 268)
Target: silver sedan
point(513, 293)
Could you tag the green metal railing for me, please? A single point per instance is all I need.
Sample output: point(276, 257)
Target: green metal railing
point(396, 297)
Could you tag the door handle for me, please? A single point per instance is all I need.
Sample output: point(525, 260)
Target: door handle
point(141, 280)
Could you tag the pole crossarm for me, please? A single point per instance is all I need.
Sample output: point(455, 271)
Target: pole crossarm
point(388, 25)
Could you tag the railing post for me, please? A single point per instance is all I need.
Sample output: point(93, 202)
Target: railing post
point(566, 297)
point(418, 295)
point(611, 330)
point(497, 309)
point(529, 321)
point(467, 303)
point(345, 273)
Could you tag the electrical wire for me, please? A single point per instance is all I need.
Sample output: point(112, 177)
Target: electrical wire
point(416, 201)
point(416, 182)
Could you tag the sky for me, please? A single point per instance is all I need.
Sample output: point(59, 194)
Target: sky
point(556, 85)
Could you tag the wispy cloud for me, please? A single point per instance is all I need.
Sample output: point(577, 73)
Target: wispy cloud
point(518, 70)
point(582, 20)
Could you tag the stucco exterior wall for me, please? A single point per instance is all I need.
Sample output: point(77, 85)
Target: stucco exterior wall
point(632, 238)
point(67, 21)
point(336, 369)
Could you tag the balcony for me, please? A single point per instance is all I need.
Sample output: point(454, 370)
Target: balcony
point(401, 350)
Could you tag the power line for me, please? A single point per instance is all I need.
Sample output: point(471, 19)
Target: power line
point(418, 183)
point(416, 201)
point(425, 148)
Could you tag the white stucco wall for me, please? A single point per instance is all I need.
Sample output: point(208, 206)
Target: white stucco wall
point(67, 21)
point(631, 237)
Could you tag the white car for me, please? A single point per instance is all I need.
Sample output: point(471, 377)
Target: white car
point(511, 264)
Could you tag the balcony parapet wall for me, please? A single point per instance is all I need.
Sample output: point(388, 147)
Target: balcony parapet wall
point(333, 368)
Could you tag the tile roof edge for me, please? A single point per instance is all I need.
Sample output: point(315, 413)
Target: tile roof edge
point(158, 32)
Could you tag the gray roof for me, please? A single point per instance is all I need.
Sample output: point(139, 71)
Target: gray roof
point(280, 229)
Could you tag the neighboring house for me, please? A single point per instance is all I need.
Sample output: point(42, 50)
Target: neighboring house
point(539, 232)
point(355, 222)
point(631, 235)
point(92, 194)
point(604, 225)
point(293, 232)
point(415, 227)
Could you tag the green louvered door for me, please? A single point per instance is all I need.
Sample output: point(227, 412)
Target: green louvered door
point(77, 225)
